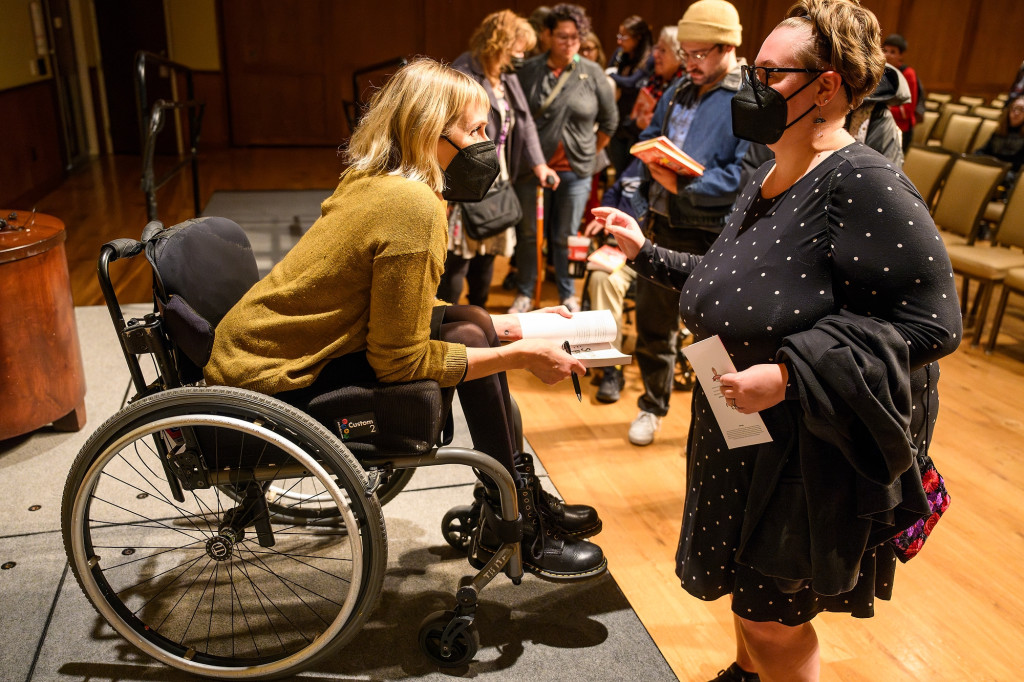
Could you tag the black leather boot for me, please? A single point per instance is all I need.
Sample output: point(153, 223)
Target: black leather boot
point(575, 520)
point(547, 552)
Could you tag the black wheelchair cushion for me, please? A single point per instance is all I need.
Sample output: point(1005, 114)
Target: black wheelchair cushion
point(207, 261)
point(377, 420)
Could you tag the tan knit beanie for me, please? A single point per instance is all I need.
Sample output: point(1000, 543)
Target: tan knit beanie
point(711, 21)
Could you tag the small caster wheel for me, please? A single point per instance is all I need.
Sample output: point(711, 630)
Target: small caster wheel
point(458, 648)
point(458, 525)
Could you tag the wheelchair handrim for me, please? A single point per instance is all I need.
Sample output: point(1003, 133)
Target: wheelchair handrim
point(100, 601)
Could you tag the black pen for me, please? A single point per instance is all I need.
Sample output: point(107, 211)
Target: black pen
point(575, 379)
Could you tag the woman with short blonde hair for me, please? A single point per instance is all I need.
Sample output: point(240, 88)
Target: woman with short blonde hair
point(353, 301)
point(399, 132)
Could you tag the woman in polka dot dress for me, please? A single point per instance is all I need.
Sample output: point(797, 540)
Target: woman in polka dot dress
point(829, 230)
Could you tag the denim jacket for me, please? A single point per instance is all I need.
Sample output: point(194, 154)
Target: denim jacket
point(702, 202)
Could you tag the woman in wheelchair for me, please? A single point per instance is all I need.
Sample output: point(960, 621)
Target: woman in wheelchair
point(353, 301)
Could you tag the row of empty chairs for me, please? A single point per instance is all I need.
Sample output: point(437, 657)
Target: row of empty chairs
point(934, 100)
point(959, 190)
point(954, 129)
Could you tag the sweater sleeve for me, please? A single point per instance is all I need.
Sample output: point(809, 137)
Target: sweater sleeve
point(664, 266)
point(398, 343)
point(890, 262)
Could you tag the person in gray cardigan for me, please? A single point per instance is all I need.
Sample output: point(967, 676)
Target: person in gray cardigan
point(500, 38)
point(568, 96)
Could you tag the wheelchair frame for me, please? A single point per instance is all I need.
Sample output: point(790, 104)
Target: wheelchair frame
point(448, 638)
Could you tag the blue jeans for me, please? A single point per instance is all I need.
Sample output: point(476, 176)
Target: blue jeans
point(563, 210)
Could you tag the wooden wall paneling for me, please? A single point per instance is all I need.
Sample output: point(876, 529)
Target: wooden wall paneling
point(31, 163)
point(888, 14)
point(763, 18)
point(935, 37)
point(280, 87)
point(366, 35)
point(447, 33)
point(991, 64)
point(211, 89)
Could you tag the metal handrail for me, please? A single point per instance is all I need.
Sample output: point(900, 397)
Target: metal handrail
point(151, 122)
point(354, 108)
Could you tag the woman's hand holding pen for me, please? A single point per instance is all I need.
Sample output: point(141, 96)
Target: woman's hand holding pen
point(547, 361)
point(625, 229)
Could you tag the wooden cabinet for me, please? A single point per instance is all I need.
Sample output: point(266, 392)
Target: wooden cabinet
point(41, 376)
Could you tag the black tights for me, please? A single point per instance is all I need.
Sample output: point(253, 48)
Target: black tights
point(485, 401)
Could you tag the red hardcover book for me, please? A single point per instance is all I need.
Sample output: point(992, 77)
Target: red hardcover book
point(663, 151)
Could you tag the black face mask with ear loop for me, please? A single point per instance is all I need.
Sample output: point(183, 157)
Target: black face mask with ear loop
point(759, 112)
point(472, 172)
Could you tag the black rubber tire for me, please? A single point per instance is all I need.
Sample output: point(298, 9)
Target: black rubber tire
point(464, 647)
point(457, 526)
point(226, 413)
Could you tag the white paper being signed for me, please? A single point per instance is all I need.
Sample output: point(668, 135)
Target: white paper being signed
point(710, 359)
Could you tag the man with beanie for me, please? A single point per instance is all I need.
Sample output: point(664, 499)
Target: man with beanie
point(686, 213)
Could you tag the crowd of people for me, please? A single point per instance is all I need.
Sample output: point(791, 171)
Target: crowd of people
point(802, 246)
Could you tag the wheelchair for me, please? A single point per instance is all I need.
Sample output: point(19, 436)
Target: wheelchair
point(229, 534)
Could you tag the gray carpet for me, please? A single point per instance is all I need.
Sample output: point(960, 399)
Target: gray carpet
point(535, 631)
point(273, 219)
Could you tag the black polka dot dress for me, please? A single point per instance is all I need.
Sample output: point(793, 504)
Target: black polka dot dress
point(853, 233)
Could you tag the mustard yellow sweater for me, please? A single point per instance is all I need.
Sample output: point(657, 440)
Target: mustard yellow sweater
point(363, 277)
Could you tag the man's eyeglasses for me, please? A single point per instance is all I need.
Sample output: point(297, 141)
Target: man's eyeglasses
point(762, 73)
point(566, 37)
point(698, 57)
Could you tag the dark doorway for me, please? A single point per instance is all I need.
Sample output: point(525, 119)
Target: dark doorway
point(126, 27)
point(74, 136)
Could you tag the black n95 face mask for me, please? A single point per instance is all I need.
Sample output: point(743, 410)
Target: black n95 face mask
point(759, 112)
point(471, 173)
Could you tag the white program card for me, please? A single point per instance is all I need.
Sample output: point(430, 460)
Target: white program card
point(710, 359)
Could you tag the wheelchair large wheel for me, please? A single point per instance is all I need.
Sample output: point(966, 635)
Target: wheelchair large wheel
point(217, 585)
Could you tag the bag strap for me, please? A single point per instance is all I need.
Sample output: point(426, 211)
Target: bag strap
point(562, 80)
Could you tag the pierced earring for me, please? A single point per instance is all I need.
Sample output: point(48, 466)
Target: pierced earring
point(820, 119)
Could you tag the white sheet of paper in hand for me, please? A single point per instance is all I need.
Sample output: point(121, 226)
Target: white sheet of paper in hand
point(710, 359)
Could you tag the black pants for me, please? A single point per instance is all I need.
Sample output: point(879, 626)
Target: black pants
point(478, 271)
point(657, 318)
point(485, 401)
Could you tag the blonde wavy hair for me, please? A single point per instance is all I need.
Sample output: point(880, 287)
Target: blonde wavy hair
point(845, 38)
point(399, 132)
point(497, 34)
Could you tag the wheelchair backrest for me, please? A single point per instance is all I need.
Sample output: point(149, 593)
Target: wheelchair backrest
point(207, 261)
point(201, 268)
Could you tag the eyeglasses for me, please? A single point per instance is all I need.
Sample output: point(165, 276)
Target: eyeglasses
point(588, 48)
point(623, 36)
point(698, 57)
point(762, 73)
point(566, 37)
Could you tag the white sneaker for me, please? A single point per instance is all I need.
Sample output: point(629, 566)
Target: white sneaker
point(521, 304)
point(641, 431)
point(572, 304)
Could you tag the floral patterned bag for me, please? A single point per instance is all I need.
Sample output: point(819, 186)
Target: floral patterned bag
point(910, 541)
